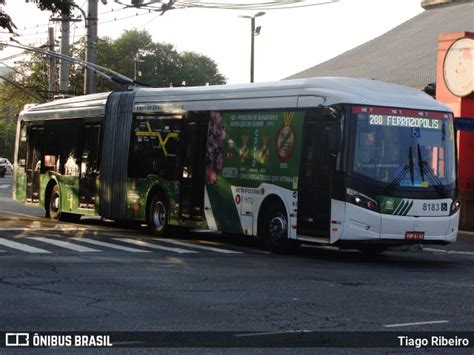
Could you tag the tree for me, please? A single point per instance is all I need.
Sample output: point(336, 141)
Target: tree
point(161, 66)
point(7, 138)
point(62, 7)
point(159, 63)
point(13, 96)
point(197, 69)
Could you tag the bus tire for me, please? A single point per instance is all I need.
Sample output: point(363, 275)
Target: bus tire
point(54, 205)
point(158, 215)
point(275, 230)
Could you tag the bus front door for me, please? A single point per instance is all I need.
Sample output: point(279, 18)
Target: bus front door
point(89, 166)
point(314, 191)
point(192, 178)
point(33, 163)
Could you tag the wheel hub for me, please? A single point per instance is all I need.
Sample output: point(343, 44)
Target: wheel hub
point(278, 227)
point(159, 215)
point(55, 203)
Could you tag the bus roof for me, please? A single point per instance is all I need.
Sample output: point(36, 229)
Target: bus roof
point(291, 93)
point(310, 92)
point(80, 106)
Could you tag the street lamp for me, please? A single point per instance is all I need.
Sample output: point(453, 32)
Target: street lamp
point(253, 33)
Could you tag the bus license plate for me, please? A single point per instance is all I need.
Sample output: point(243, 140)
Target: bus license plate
point(415, 235)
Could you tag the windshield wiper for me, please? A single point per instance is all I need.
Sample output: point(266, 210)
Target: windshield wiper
point(407, 168)
point(411, 166)
point(432, 177)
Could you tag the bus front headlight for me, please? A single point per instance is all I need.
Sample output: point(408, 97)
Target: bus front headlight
point(361, 200)
point(455, 206)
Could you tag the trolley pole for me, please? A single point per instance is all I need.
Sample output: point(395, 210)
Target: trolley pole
point(90, 85)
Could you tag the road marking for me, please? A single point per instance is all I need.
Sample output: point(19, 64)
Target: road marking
point(273, 333)
point(109, 245)
point(52, 229)
point(197, 246)
point(250, 250)
point(415, 323)
point(441, 251)
point(63, 244)
point(154, 246)
point(460, 252)
point(18, 214)
point(4, 186)
point(22, 247)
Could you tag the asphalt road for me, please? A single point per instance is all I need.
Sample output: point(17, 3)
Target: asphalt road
point(94, 276)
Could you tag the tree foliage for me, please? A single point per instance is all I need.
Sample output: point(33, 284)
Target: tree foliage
point(62, 7)
point(7, 138)
point(159, 64)
point(12, 100)
point(197, 69)
point(133, 53)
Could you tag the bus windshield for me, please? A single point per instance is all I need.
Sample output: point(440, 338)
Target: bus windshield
point(405, 149)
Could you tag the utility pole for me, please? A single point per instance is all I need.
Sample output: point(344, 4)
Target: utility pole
point(64, 71)
point(252, 48)
point(64, 65)
point(90, 85)
point(52, 65)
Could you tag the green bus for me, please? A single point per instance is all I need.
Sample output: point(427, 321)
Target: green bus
point(341, 161)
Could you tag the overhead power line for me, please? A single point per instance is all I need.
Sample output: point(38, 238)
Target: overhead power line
point(163, 5)
point(114, 77)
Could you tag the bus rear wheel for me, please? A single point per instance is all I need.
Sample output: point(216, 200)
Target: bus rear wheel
point(54, 210)
point(54, 206)
point(158, 215)
point(275, 231)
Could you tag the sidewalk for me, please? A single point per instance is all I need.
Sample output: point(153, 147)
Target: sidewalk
point(463, 245)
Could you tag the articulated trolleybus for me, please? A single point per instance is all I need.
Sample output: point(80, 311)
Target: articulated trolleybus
point(349, 162)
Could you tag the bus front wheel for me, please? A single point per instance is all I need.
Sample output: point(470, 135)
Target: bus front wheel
point(158, 215)
point(275, 231)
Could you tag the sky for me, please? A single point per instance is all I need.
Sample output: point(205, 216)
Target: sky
point(291, 40)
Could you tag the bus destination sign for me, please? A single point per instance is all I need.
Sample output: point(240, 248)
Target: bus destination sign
point(403, 121)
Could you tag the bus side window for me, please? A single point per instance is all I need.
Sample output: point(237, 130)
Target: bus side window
point(61, 150)
point(154, 145)
point(21, 159)
point(90, 150)
point(172, 148)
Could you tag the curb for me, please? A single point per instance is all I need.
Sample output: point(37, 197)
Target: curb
point(442, 251)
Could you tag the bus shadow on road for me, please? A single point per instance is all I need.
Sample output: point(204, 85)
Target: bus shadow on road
point(404, 259)
point(396, 257)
